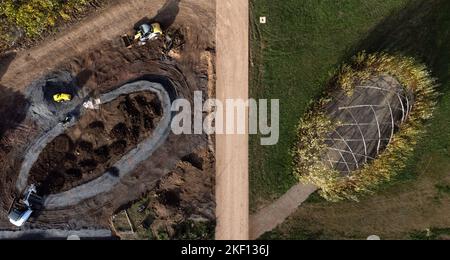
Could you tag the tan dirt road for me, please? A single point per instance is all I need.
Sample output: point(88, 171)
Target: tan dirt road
point(276, 213)
point(232, 39)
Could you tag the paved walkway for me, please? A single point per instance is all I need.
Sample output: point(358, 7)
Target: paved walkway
point(276, 213)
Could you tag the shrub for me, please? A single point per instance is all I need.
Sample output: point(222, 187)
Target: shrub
point(34, 16)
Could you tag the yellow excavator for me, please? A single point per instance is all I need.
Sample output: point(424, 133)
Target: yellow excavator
point(145, 33)
point(62, 97)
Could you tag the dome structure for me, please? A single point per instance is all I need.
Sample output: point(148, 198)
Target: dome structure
point(362, 132)
point(365, 122)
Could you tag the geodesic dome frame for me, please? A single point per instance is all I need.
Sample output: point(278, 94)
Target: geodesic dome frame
point(366, 122)
point(362, 133)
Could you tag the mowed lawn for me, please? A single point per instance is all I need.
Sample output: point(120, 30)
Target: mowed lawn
point(294, 55)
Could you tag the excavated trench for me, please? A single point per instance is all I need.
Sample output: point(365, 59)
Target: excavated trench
point(97, 146)
point(98, 140)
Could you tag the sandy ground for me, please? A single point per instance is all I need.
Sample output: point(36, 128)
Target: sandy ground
point(276, 213)
point(232, 150)
point(104, 26)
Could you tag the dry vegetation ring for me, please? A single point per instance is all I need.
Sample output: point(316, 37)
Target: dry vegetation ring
point(363, 131)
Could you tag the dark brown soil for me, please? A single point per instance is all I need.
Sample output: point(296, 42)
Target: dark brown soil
point(13, 109)
point(184, 197)
point(100, 138)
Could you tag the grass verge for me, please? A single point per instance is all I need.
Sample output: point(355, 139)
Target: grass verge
point(293, 57)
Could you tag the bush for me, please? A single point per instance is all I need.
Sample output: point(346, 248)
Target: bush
point(313, 128)
point(35, 16)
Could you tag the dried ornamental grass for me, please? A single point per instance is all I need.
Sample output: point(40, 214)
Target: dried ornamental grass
point(309, 166)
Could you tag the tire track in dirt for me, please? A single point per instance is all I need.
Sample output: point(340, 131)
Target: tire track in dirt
point(106, 25)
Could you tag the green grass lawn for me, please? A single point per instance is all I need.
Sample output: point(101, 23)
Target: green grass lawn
point(294, 56)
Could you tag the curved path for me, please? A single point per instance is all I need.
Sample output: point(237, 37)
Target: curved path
point(122, 168)
point(102, 26)
point(276, 213)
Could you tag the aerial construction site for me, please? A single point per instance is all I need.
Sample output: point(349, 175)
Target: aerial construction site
point(86, 146)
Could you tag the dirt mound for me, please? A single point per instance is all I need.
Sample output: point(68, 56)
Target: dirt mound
point(185, 195)
point(99, 139)
point(181, 207)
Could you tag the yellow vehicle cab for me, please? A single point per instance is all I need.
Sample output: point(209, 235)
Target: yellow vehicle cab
point(62, 97)
point(148, 32)
point(157, 28)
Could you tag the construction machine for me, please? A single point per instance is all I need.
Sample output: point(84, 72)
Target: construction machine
point(22, 209)
point(145, 33)
point(62, 97)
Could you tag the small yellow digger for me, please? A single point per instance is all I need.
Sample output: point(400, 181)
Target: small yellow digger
point(145, 33)
point(62, 97)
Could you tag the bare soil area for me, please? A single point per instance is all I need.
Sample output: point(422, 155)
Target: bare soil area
point(100, 138)
point(180, 207)
point(93, 53)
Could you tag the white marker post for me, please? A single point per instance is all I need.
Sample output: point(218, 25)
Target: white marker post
point(262, 20)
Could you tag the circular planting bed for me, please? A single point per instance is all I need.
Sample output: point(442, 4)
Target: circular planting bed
point(97, 141)
point(361, 133)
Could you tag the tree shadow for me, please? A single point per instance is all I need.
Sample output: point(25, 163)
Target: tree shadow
point(13, 109)
point(5, 61)
point(165, 17)
point(420, 30)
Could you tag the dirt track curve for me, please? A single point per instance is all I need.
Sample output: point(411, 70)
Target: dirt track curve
point(105, 25)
